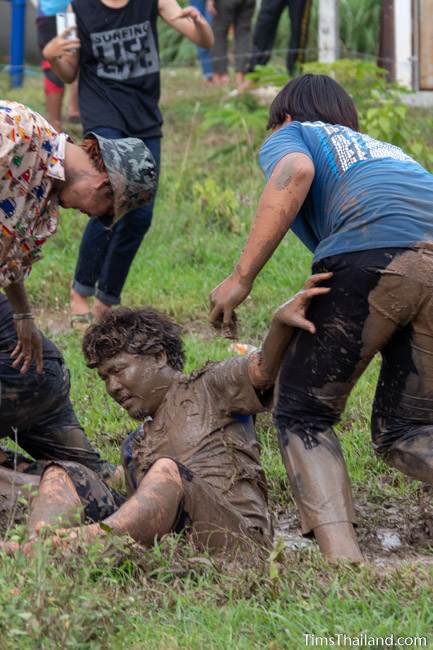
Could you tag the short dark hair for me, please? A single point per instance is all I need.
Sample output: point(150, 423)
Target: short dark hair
point(313, 97)
point(135, 331)
point(91, 146)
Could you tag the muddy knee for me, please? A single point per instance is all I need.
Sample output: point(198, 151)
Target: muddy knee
point(165, 468)
point(57, 501)
point(412, 456)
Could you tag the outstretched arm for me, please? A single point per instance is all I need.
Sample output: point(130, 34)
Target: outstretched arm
point(281, 200)
point(188, 21)
point(265, 364)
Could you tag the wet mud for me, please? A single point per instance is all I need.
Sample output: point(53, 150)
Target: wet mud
point(398, 530)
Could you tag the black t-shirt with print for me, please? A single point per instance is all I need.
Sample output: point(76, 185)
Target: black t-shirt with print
point(119, 82)
point(8, 335)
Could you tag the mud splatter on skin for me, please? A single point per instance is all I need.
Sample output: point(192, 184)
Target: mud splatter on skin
point(151, 511)
point(57, 501)
point(138, 383)
point(292, 170)
point(409, 519)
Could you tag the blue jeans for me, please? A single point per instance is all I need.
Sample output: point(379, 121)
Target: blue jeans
point(204, 55)
point(106, 254)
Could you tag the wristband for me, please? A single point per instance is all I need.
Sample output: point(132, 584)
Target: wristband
point(26, 316)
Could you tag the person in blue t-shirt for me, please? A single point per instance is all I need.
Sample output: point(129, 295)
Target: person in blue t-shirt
point(365, 209)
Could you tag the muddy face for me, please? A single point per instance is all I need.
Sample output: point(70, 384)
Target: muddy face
point(138, 383)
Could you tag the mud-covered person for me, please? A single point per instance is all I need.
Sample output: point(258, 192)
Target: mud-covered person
point(36, 412)
point(195, 464)
point(365, 209)
point(41, 169)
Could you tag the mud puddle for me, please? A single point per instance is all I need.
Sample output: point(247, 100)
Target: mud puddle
point(392, 533)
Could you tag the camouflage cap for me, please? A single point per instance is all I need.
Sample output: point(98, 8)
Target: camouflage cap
point(132, 172)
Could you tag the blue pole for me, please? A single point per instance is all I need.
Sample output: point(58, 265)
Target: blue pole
point(17, 42)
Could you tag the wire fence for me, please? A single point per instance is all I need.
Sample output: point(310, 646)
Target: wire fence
point(310, 53)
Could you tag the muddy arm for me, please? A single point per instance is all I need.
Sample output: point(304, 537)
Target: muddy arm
point(281, 201)
point(264, 365)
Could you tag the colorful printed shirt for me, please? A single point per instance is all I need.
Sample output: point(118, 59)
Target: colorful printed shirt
point(31, 160)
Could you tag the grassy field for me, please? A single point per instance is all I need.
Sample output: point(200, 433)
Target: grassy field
point(171, 597)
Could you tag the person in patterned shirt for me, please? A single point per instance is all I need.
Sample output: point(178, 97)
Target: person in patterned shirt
point(41, 169)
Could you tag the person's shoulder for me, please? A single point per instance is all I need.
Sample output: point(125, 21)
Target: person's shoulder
point(24, 119)
point(216, 372)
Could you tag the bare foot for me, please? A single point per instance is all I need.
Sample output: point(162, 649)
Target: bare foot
point(85, 534)
point(243, 85)
point(62, 538)
point(79, 304)
point(338, 542)
point(221, 79)
point(100, 310)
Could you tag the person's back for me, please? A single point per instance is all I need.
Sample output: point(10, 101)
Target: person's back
point(365, 193)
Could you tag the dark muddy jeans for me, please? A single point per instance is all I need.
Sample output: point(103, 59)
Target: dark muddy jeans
point(36, 412)
point(380, 301)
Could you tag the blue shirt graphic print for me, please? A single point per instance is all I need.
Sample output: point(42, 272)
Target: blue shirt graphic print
point(365, 194)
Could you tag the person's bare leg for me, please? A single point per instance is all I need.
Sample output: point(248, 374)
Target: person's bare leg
point(74, 109)
point(56, 503)
point(152, 510)
point(338, 543)
point(53, 107)
point(100, 309)
point(79, 304)
point(221, 79)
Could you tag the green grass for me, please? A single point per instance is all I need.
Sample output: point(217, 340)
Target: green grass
point(169, 597)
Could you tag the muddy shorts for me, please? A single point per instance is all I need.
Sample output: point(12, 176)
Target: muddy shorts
point(211, 521)
point(381, 301)
point(36, 412)
point(98, 500)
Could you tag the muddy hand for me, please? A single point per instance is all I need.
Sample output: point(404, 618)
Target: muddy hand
point(28, 348)
point(293, 312)
point(223, 301)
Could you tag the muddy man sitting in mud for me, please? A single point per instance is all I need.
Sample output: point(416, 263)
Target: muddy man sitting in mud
point(194, 464)
point(365, 209)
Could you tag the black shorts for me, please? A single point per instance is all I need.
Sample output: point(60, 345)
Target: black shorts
point(47, 30)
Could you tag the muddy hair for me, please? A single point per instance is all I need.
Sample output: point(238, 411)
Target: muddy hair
point(313, 97)
point(91, 146)
point(134, 331)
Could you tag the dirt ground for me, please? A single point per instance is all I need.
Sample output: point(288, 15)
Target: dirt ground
point(390, 533)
